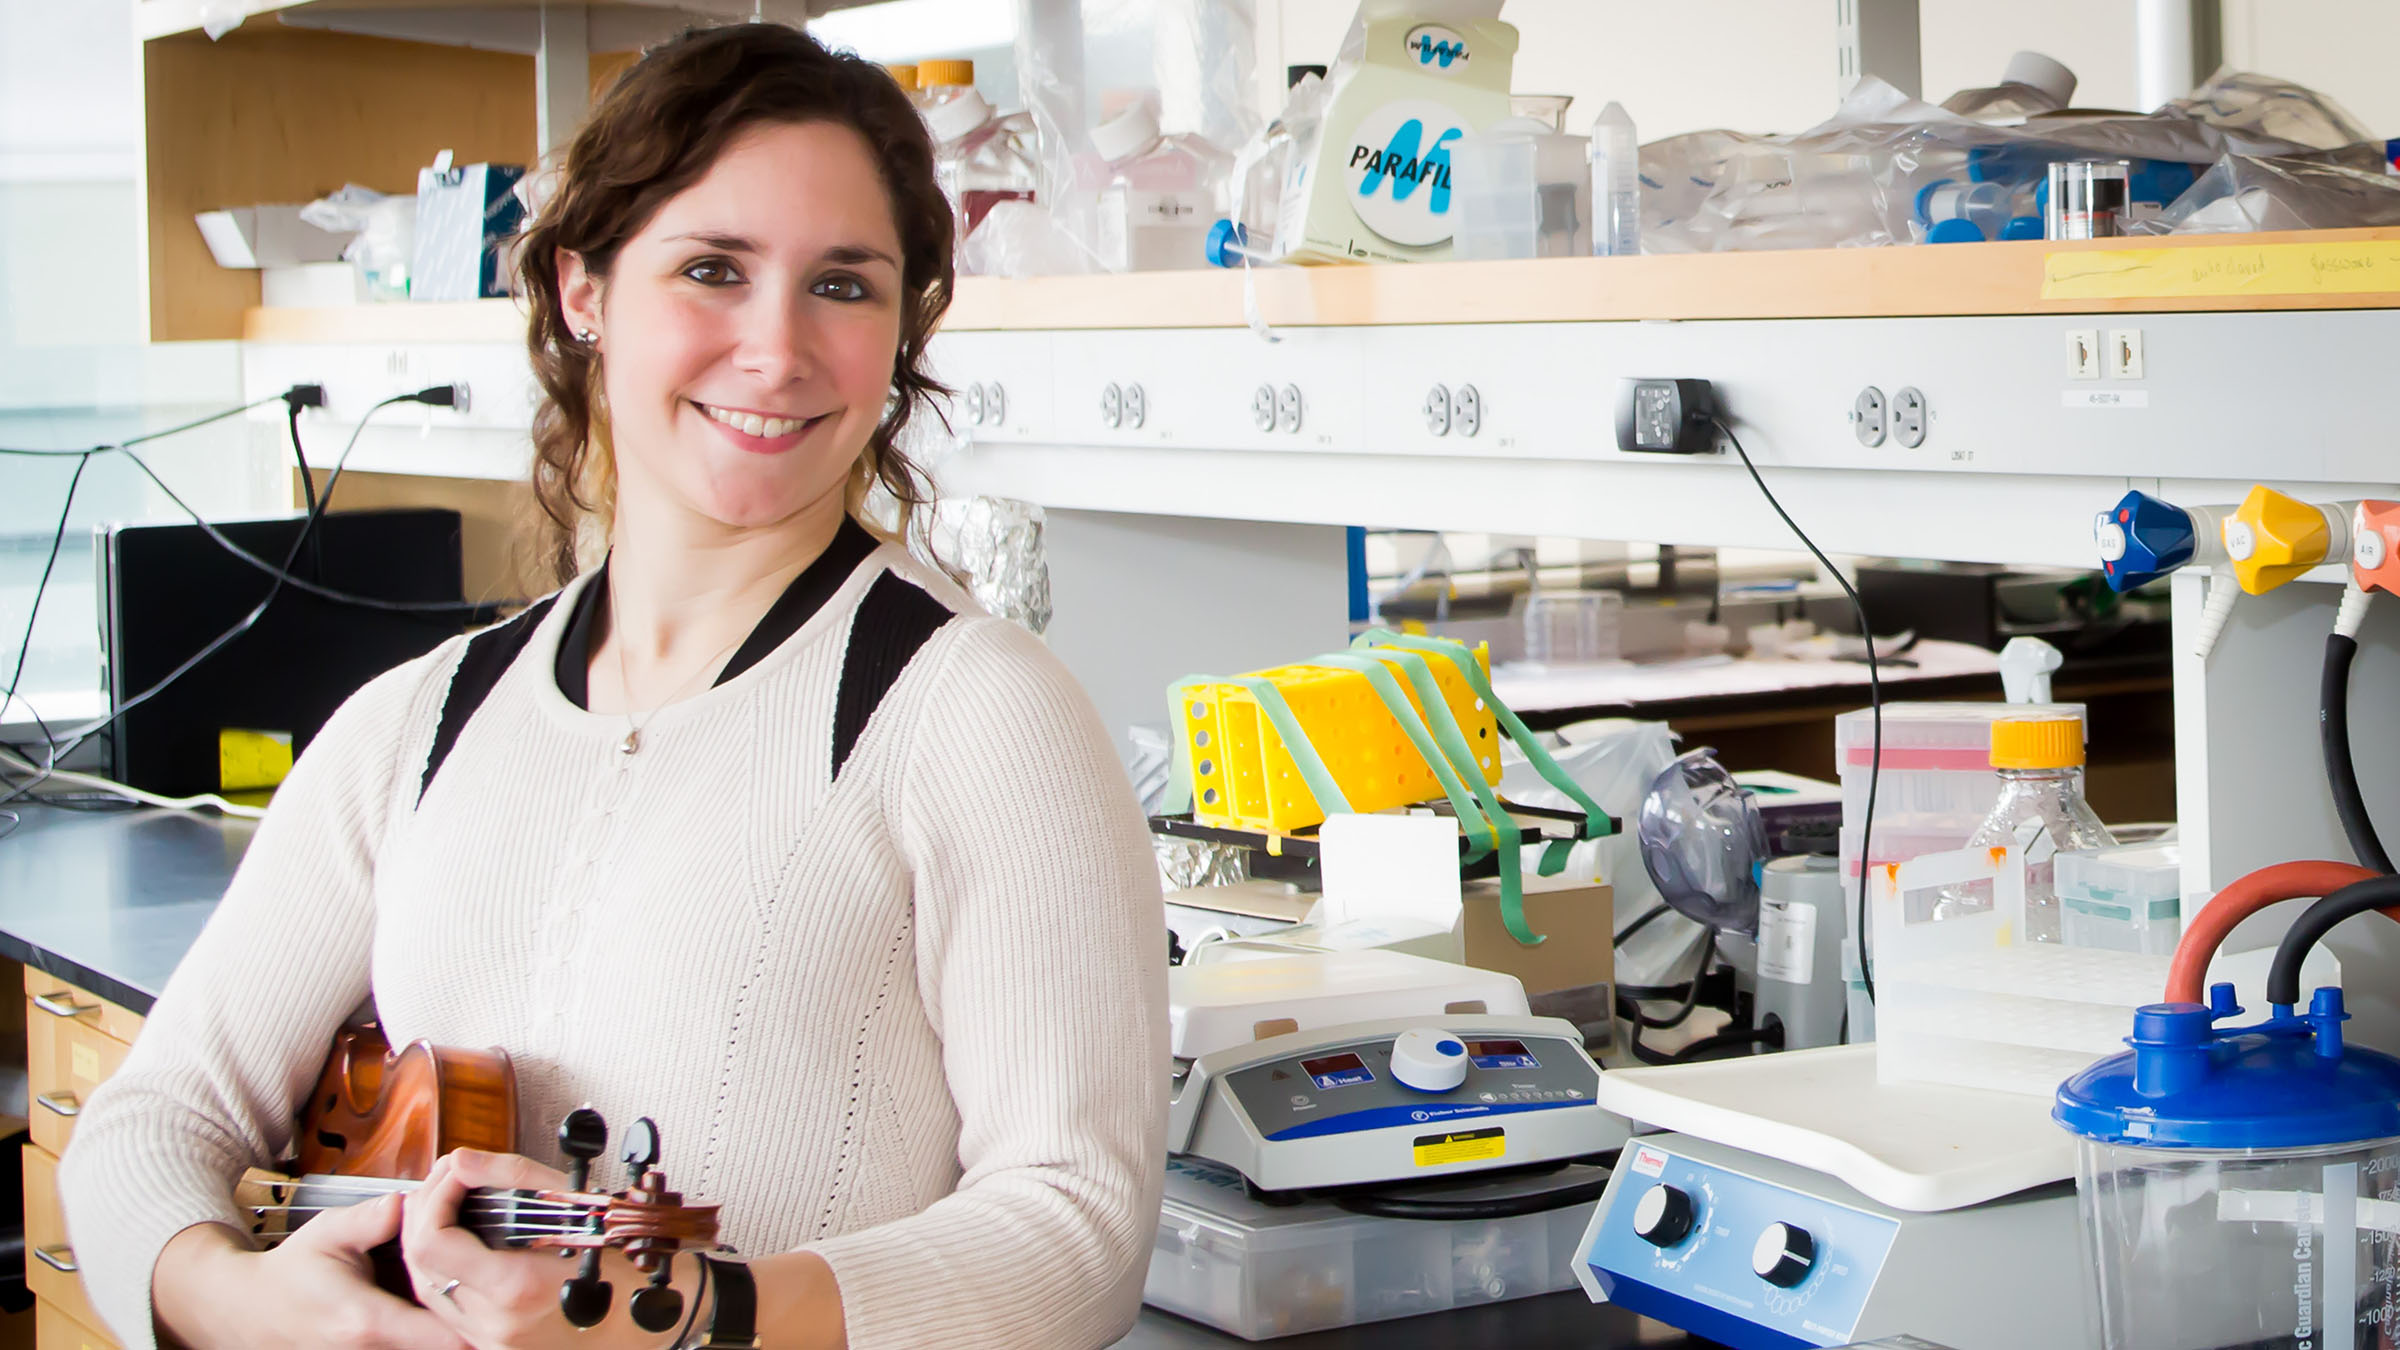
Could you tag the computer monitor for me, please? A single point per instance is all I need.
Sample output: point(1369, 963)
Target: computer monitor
point(166, 590)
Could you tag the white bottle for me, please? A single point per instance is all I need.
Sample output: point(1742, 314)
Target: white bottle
point(1161, 196)
point(1616, 184)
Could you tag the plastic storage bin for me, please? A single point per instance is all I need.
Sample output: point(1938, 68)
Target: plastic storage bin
point(2123, 899)
point(1569, 627)
point(1261, 1271)
point(1524, 191)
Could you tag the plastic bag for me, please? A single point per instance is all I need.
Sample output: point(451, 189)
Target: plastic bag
point(1867, 176)
point(1024, 239)
point(1080, 62)
point(2259, 109)
point(2242, 194)
point(1614, 762)
point(384, 231)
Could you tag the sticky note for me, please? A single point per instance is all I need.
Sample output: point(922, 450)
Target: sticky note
point(2367, 267)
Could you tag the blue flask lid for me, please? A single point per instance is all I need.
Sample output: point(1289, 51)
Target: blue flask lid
point(2287, 1082)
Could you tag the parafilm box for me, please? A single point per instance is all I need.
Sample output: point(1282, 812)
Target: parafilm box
point(1376, 185)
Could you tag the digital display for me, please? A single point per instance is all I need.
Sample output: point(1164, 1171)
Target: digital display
point(1333, 1071)
point(1501, 1055)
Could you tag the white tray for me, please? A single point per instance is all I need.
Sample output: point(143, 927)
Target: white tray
point(1913, 1146)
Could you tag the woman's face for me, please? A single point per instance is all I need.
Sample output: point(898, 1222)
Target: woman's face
point(748, 331)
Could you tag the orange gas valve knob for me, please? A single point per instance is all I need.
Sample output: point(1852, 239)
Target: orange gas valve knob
point(2375, 546)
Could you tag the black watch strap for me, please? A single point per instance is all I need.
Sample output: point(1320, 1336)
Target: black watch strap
point(733, 1318)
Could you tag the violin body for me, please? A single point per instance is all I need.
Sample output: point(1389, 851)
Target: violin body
point(377, 1121)
point(377, 1112)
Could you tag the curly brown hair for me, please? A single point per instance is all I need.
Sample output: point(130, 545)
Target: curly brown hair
point(657, 131)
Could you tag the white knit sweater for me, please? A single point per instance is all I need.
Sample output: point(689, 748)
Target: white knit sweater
point(911, 1018)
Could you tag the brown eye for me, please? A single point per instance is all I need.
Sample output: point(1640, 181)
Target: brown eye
point(713, 272)
point(842, 288)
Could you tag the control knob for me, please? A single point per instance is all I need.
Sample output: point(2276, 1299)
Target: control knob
point(1784, 1255)
point(1429, 1059)
point(1663, 1216)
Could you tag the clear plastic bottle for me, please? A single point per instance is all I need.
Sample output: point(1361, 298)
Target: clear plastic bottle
point(980, 157)
point(1161, 195)
point(2041, 812)
point(1616, 184)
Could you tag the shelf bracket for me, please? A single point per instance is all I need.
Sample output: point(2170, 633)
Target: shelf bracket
point(1879, 38)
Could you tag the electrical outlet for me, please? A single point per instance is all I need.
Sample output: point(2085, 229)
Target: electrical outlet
point(2083, 353)
point(2125, 353)
point(1909, 416)
point(1867, 417)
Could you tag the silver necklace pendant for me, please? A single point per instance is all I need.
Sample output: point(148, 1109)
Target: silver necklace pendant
point(632, 743)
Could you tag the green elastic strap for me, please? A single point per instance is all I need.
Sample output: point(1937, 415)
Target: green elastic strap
point(1471, 817)
point(1454, 743)
point(1596, 824)
point(1312, 769)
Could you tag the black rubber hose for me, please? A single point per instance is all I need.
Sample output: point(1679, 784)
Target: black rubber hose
point(1503, 1207)
point(2333, 728)
point(2283, 978)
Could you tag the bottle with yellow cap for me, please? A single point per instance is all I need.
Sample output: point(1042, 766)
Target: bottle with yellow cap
point(2041, 812)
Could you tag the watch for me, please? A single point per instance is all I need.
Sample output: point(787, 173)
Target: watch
point(733, 1316)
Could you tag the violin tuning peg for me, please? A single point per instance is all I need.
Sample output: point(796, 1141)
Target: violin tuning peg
point(656, 1307)
point(583, 1135)
point(585, 1298)
point(639, 1149)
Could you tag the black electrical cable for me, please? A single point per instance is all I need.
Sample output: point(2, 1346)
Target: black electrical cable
point(1866, 827)
point(143, 439)
point(1641, 923)
point(1631, 1011)
point(2283, 977)
point(33, 613)
point(281, 576)
point(2333, 730)
point(308, 485)
point(1386, 1206)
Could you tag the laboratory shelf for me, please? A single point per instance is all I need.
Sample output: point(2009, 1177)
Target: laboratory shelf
point(471, 22)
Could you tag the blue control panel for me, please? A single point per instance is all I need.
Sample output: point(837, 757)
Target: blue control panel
point(1742, 1261)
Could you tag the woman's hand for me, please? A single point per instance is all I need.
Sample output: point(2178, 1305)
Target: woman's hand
point(317, 1289)
point(505, 1300)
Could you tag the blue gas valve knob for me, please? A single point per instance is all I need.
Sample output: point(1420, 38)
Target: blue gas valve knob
point(2142, 539)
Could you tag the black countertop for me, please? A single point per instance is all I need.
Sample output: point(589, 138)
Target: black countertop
point(112, 900)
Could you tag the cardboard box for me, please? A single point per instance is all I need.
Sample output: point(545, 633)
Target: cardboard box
point(266, 236)
point(1577, 917)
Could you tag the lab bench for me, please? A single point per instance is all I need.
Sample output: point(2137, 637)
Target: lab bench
point(99, 908)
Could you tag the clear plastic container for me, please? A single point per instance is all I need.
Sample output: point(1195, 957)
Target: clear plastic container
point(1567, 627)
point(1162, 194)
point(980, 157)
point(1260, 1271)
point(1616, 184)
point(2041, 812)
point(2122, 899)
point(2239, 1186)
point(1937, 784)
point(1524, 191)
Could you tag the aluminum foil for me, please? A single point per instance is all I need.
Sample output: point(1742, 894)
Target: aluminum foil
point(1185, 863)
point(997, 543)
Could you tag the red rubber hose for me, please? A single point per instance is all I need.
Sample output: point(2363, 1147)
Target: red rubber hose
point(2245, 897)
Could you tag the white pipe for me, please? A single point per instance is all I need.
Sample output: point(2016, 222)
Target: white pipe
point(2166, 53)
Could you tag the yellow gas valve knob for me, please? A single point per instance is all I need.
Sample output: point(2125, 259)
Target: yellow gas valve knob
point(2273, 538)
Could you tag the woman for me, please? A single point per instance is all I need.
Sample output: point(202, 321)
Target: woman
point(760, 829)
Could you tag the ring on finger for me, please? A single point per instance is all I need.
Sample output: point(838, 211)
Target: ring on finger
point(449, 1290)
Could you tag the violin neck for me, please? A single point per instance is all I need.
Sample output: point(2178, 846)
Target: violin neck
point(502, 1218)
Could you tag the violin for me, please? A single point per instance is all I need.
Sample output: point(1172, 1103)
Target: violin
point(379, 1118)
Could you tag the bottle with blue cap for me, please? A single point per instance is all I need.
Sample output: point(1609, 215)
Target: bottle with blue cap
point(2240, 1185)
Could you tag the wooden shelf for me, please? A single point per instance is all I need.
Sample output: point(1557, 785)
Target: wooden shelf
point(1928, 281)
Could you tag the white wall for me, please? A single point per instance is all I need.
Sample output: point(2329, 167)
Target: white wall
point(1768, 65)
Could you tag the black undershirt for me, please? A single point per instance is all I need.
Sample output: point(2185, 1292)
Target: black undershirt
point(796, 606)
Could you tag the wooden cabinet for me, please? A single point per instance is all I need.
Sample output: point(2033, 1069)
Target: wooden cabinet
point(74, 1040)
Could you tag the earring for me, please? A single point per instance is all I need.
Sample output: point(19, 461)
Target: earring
point(587, 335)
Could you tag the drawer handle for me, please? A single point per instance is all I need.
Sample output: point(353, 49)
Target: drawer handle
point(63, 1103)
point(60, 1258)
point(63, 1005)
